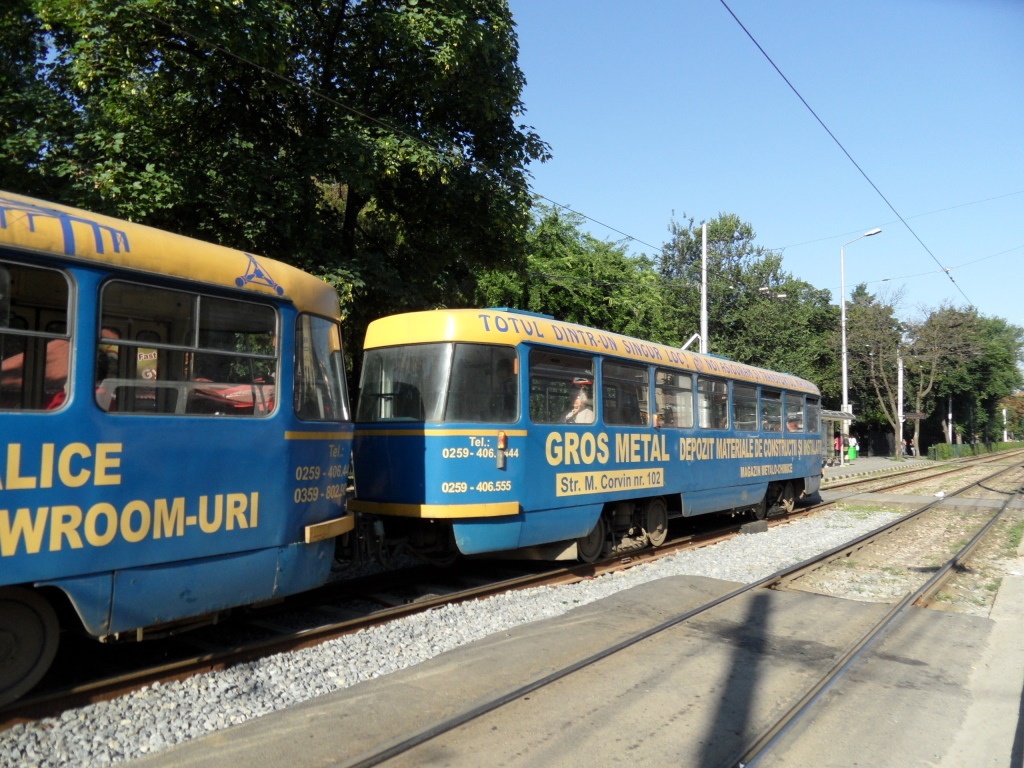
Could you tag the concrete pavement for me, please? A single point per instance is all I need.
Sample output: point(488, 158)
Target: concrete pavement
point(871, 465)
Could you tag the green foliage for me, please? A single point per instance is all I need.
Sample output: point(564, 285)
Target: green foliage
point(950, 353)
point(32, 113)
point(1014, 407)
point(575, 277)
point(377, 144)
point(380, 146)
point(578, 278)
point(947, 451)
point(757, 313)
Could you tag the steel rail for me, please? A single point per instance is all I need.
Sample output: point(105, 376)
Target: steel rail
point(951, 467)
point(427, 734)
point(773, 735)
point(51, 703)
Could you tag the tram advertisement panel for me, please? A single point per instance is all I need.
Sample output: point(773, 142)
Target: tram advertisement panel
point(130, 503)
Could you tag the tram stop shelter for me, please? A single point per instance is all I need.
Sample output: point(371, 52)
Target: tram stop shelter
point(832, 422)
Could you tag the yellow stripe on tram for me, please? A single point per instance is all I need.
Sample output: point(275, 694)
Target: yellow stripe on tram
point(446, 511)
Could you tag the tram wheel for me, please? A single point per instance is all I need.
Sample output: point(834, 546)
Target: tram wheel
point(760, 510)
point(439, 560)
point(29, 635)
point(590, 547)
point(788, 498)
point(656, 521)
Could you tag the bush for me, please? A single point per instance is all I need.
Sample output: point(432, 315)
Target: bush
point(947, 452)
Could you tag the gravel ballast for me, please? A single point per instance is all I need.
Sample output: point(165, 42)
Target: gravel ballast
point(160, 716)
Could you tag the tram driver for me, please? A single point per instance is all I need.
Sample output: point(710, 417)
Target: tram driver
point(581, 412)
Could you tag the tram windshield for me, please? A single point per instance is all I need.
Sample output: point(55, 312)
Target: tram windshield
point(443, 382)
point(320, 390)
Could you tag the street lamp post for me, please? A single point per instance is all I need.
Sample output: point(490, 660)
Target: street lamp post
point(842, 322)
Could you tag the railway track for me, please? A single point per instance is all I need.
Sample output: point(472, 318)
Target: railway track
point(343, 607)
point(815, 697)
point(913, 475)
point(761, 744)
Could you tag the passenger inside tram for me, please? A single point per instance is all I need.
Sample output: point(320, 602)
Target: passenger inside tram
point(581, 412)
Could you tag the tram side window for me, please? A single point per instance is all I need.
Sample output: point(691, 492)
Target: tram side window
point(558, 380)
point(405, 383)
point(484, 384)
point(771, 411)
point(171, 352)
point(713, 403)
point(744, 407)
point(674, 398)
point(34, 340)
point(813, 415)
point(794, 412)
point(320, 388)
point(626, 393)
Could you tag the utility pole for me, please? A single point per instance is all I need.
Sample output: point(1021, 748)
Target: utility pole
point(704, 288)
point(898, 445)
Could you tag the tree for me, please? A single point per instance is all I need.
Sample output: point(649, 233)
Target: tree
point(376, 143)
point(575, 277)
point(996, 372)
point(950, 354)
point(874, 344)
point(757, 313)
point(31, 112)
point(1013, 406)
point(934, 348)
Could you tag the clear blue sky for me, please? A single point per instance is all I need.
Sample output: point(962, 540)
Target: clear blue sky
point(654, 109)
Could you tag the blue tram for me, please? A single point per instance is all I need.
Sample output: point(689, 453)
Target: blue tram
point(175, 435)
point(494, 430)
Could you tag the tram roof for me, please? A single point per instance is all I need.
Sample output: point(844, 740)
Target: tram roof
point(510, 328)
point(38, 226)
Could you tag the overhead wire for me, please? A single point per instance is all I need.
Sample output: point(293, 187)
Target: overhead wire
point(844, 150)
point(887, 223)
point(947, 270)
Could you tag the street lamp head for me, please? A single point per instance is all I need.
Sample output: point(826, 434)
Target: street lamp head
point(869, 233)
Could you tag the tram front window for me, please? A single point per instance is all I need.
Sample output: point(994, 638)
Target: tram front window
point(484, 385)
point(404, 383)
point(440, 382)
point(320, 391)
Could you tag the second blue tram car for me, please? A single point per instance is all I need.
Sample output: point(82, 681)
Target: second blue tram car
point(175, 438)
point(490, 430)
